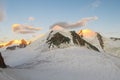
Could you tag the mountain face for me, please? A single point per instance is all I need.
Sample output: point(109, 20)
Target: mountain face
point(59, 39)
point(100, 39)
point(92, 37)
point(108, 45)
point(79, 41)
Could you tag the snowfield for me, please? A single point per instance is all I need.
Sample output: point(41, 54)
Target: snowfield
point(112, 47)
point(62, 64)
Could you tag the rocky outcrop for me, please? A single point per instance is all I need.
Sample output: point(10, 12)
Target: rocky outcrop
point(100, 40)
point(77, 39)
point(14, 47)
point(113, 38)
point(11, 48)
point(81, 42)
point(2, 63)
point(57, 39)
point(22, 45)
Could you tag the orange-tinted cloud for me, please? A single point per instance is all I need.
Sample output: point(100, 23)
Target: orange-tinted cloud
point(24, 29)
point(80, 23)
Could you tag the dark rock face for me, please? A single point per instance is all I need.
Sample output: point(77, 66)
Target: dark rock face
point(14, 47)
point(57, 39)
point(100, 40)
point(22, 45)
point(81, 42)
point(11, 48)
point(77, 39)
point(49, 34)
point(2, 63)
point(113, 38)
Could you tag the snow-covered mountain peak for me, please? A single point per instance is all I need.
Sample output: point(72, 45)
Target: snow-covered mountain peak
point(87, 33)
point(61, 39)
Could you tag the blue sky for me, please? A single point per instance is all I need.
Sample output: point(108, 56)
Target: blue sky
point(48, 12)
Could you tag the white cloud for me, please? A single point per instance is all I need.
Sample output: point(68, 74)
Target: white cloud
point(24, 29)
point(80, 23)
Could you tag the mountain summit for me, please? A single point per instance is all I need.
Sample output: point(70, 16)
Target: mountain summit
point(60, 39)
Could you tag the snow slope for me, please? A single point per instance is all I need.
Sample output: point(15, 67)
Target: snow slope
point(63, 64)
point(112, 47)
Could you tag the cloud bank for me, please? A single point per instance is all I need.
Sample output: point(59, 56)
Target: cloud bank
point(80, 23)
point(24, 29)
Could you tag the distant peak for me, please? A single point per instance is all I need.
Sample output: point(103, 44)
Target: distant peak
point(57, 27)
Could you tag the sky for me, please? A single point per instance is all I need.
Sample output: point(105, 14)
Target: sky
point(35, 17)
